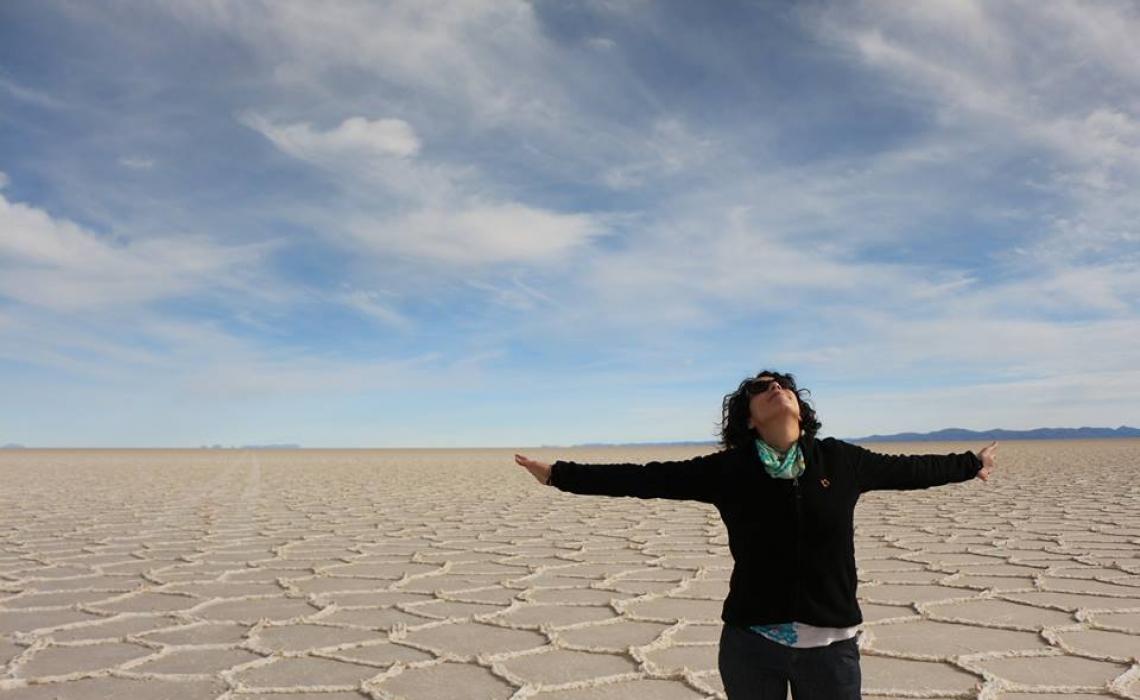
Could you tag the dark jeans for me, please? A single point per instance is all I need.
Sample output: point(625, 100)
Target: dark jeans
point(755, 668)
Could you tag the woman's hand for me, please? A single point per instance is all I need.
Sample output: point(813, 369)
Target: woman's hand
point(988, 455)
point(540, 470)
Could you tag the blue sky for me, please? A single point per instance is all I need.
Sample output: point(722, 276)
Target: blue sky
point(494, 223)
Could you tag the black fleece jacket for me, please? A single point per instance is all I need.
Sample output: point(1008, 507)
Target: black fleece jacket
point(792, 540)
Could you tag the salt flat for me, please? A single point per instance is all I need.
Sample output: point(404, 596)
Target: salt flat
point(453, 574)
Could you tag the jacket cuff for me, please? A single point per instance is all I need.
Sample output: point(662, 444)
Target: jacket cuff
point(977, 463)
point(552, 480)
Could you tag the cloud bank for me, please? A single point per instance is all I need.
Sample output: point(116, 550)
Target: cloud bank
point(925, 210)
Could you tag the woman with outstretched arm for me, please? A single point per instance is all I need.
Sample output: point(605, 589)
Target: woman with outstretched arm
point(788, 502)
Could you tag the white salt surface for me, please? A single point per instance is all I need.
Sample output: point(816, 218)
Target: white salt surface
point(453, 574)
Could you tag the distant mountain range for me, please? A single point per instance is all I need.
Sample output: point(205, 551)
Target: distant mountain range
point(944, 435)
point(951, 434)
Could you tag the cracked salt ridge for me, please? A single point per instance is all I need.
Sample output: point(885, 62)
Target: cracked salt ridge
point(335, 531)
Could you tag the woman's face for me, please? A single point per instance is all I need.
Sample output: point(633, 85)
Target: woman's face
point(773, 403)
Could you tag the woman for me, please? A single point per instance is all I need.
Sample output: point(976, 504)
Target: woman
point(788, 502)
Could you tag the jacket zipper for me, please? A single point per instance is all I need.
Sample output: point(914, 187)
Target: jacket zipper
point(799, 540)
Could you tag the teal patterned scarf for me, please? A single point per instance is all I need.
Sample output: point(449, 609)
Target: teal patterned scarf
point(790, 467)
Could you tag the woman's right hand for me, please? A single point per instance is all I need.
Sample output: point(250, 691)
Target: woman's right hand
point(540, 470)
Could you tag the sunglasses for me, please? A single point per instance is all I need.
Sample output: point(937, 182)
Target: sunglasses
point(759, 386)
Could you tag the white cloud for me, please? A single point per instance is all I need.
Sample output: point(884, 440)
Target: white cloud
point(700, 261)
point(29, 95)
point(601, 43)
point(481, 234)
point(370, 163)
point(458, 48)
point(1106, 30)
point(200, 362)
point(371, 304)
point(513, 293)
point(669, 148)
point(447, 221)
point(136, 163)
point(468, 69)
point(355, 137)
point(986, 73)
point(57, 264)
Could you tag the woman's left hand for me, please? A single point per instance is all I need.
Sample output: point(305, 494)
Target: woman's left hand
point(988, 455)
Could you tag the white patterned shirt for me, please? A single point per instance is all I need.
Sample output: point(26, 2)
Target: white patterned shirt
point(799, 634)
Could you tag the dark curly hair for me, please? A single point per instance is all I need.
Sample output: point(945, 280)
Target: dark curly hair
point(734, 430)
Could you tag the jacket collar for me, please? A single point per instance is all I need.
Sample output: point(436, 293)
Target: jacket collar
point(806, 443)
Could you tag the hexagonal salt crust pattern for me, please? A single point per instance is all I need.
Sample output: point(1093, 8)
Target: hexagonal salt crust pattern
point(452, 574)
